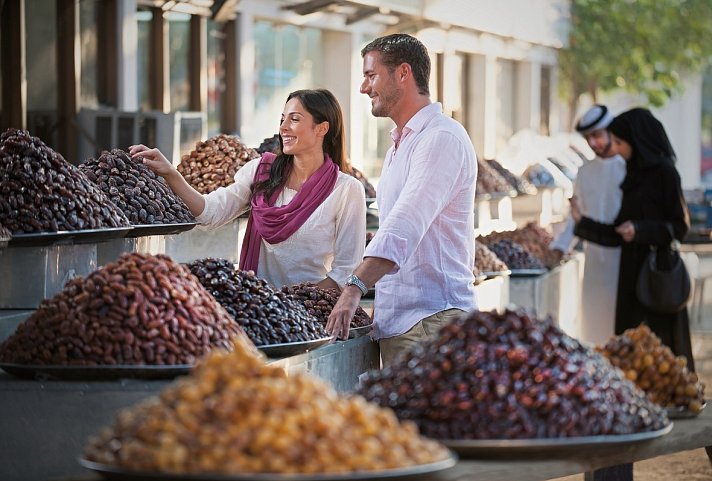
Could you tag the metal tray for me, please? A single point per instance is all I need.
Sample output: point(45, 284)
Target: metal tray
point(528, 272)
point(160, 229)
point(121, 474)
point(291, 348)
point(480, 279)
point(681, 412)
point(497, 273)
point(473, 448)
point(35, 239)
point(95, 373)
point(355, 332)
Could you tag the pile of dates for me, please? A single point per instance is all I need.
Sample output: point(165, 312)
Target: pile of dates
point(655, 369)
point(533, 238)
point(213, 163)
point(5, 233)
point(522, 185)
point(489, 181)
point(513, 254)
point(141, 309)
point(270, 144)
point(142, 195)
point(486, 260)
point(267, 316)
point(319, 302)
point(42, 192)
point(236, 415)
point(510, 376)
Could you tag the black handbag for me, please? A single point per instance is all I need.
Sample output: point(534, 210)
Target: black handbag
point(663, 282)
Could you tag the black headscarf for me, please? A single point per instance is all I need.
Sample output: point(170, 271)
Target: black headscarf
point(646, 136)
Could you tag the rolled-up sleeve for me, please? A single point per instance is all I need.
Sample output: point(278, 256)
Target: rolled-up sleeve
point(437, 168)
point(350, 241)
point(227, 203)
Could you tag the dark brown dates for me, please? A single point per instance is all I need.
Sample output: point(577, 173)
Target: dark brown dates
point(266, 315)
point(141, 309)
point(319, 302)
point(510, 376)
point(514, 255)
point(42, 192)
point(142, 195)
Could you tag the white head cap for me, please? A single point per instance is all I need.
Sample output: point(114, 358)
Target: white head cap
point(597, 117)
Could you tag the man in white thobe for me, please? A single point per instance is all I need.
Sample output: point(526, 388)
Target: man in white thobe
point(597, 189)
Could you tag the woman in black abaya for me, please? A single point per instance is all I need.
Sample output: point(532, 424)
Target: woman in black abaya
point(652, 204)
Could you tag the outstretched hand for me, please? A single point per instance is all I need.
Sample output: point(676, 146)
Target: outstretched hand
point(153, 158)
point(343, 312)
point(575, 209)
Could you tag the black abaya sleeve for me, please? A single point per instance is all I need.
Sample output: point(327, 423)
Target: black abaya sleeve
point(603, 234)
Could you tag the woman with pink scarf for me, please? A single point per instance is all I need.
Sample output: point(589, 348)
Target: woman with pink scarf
point(307, 216)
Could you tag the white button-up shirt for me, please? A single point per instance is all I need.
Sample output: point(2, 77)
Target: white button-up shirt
point(329, 243)
point(426, 201)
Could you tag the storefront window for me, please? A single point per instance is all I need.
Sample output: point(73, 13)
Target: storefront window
point(216, 75)
point(178, 51)
point(287, 58)
point(88, 45)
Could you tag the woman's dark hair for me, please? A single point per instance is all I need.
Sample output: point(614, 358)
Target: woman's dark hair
point(401, 48)
point(324, 107)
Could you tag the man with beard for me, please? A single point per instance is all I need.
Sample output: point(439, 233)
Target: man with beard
point(422, 256)
point(597, 190)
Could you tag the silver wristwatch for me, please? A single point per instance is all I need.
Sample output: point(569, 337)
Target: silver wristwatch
point(353, 280)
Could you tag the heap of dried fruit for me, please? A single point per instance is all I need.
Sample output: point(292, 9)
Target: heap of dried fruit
point(213, 163)
point(141, 309)
point(533, 238)
point(142, 195)
point(655, 369)
point(368, 187)
point(235, 414)
point(42, 192)
point(510, 376)
point(514, 255)
point(266, 315)
point(319, 302)
point(486, 260)
point(522, 185)
point(489, 181)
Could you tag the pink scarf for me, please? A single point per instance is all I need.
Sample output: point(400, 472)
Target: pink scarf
point(276, 224)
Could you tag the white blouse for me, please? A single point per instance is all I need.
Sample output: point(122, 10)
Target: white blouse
point(330, 243)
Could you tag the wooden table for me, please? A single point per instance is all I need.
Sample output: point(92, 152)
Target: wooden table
point(687, 434)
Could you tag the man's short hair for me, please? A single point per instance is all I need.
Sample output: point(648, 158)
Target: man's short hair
point(597, 117)
point(401, 48)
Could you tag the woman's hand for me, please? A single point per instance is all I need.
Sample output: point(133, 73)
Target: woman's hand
point(575, 209)
point(153, 158)
point(626, 230)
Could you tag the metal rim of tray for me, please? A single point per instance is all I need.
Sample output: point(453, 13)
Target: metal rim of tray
point(141, 230)
point(527, 272)
point(114, 472)
point(291, 348)
point(360, 331)
point(100, 372)
point(506, 272)
point(539, 446)
point(682, 412)
point(75, 236)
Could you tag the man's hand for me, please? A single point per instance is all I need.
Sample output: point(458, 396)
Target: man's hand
point(343, 312)
point(575, 209)
point(558, 254)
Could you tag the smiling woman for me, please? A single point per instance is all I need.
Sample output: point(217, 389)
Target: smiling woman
point(307, 216)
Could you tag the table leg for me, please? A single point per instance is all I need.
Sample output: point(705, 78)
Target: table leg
point(621, 472)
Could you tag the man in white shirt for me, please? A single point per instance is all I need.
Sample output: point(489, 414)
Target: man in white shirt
point(421, 258)
point(597, 191)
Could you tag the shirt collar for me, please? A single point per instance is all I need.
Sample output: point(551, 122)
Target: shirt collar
point(418, 121)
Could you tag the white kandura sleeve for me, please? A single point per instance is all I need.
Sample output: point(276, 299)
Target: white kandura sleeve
point(350, 241)
point(435, 170)
point(566, 240)
point(227, 203)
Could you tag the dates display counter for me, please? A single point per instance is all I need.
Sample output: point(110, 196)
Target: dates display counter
point(555, 293)
point(46, 423)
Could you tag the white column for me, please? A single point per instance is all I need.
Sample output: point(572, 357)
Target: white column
point(246, 105)
point(482, 110)
point(337, 48)
point(528, 99)
point(127, 68)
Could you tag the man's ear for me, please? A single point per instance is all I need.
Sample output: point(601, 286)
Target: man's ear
point(403, 71)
